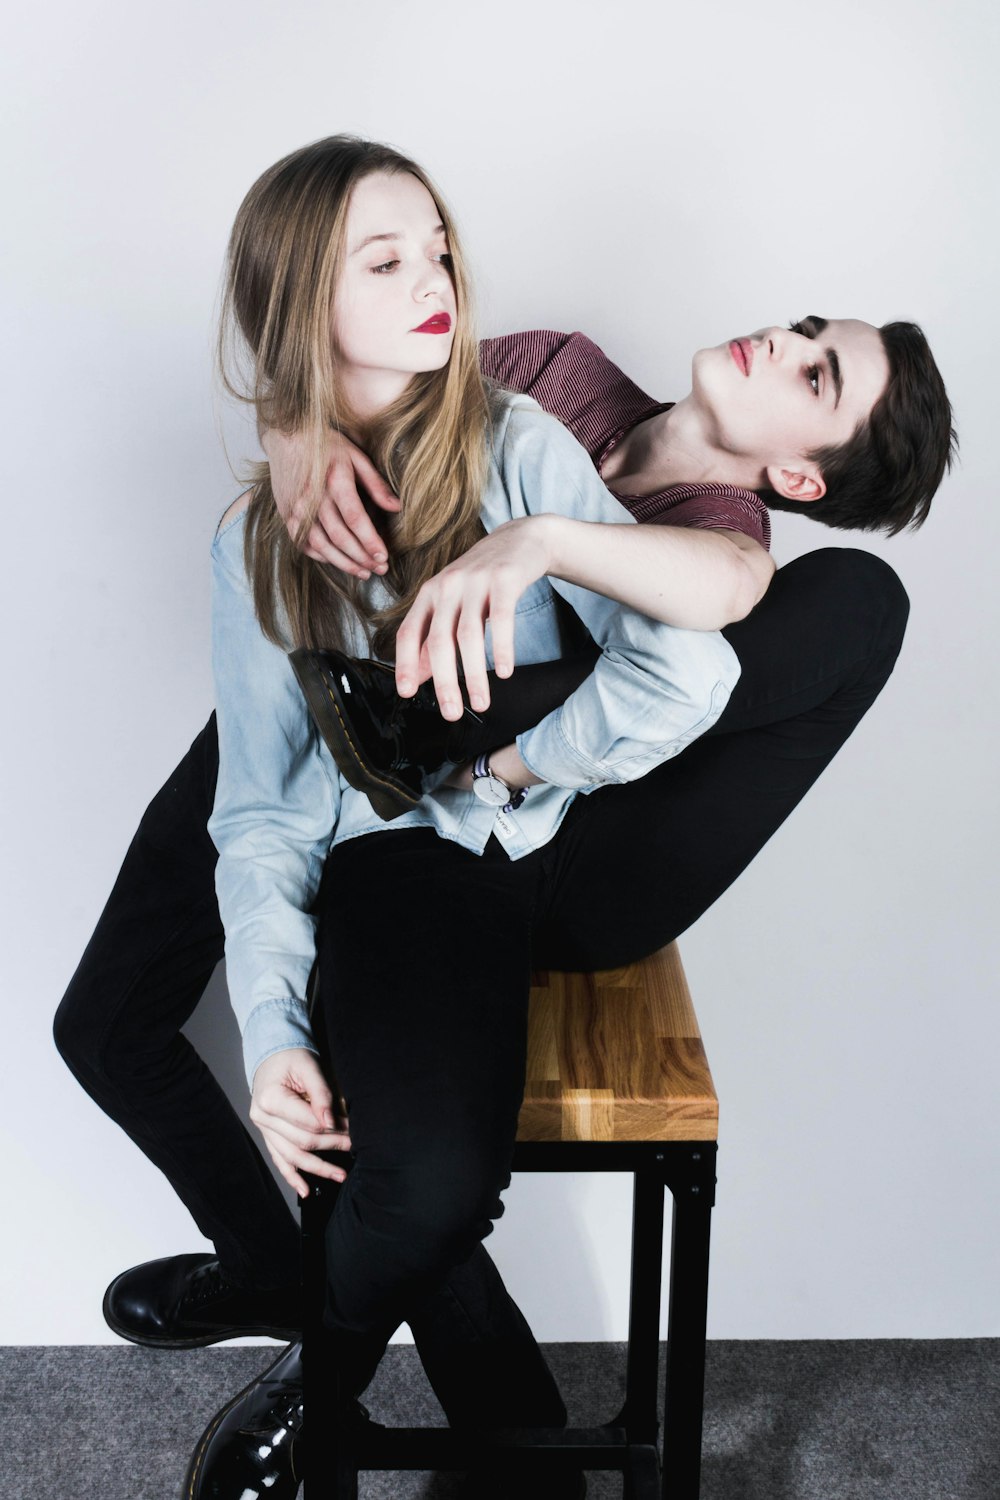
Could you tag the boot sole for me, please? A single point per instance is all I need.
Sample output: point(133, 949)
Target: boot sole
point(201, 1340)
point(389, 797)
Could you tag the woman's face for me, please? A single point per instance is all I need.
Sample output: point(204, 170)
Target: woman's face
point(777, 395)
point(394, 310)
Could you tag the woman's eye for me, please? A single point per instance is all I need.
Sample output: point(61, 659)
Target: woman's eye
point(445, 259)
point(812, 375)
point(385, 267)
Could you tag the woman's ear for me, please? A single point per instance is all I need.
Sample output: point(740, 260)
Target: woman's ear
point(804, 483)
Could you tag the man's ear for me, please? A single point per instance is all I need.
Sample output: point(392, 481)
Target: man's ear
point(804, 484)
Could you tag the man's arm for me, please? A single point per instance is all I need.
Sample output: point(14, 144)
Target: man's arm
point(341, 531)
point(730, 571)
point(698, 580)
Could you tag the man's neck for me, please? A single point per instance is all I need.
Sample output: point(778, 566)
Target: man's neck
point(670, 448)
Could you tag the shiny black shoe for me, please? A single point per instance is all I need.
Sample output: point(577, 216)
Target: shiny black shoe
point(252, 1448)
point(383, 744)
point(187, 1301)
point(248, 1450)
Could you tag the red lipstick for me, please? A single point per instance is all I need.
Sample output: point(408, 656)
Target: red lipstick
point(742, 352)
point(440, 323)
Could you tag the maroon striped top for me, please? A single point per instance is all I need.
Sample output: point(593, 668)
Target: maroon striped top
point(571, 378)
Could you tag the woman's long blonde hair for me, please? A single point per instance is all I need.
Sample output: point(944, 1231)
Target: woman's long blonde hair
point(276, 352)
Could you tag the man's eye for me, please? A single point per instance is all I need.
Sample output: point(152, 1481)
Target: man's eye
point(385, 267)
point(812, 375)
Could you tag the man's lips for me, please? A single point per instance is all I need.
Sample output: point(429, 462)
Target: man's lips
point(440, 323)
point(742, 352)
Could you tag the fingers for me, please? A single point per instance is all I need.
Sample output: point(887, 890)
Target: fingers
point(427, 641)
point(411, 671)
point(445, 628)
point(343, 524)
point(329, 541)
point(292, 1163)
point(343, 528)
point(292, 1106)
point(341, 532)
point(502, 605)
point(294, 1148)
point(375, 486)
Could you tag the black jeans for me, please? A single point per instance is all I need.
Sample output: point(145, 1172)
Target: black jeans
point(814, 654)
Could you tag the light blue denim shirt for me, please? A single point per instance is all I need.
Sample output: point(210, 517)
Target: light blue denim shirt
point(281, 803)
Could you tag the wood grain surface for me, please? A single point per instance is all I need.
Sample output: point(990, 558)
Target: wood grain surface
point(617, 1055)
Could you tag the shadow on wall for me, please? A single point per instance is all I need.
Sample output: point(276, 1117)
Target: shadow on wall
point(215, 1036)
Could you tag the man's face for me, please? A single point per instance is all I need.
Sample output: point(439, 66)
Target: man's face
point(776, 396)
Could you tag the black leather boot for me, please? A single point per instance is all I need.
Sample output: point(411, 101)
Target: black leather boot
point(249, 1447)
point(187, 1301)
point(384, 744)
point(253, 1448)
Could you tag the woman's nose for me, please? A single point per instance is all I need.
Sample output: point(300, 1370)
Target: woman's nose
point(433, 280)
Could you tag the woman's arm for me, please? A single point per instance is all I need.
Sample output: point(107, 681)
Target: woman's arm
point(275, 810)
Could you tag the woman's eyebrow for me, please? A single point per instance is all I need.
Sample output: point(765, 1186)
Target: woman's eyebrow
point(392, 234)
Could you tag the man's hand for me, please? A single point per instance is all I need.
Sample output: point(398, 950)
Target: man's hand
point(447, 619)
point(342, 533)
point(292, 1107)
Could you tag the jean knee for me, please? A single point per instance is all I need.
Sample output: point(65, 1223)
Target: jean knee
point(76, 1038)
point(435, 1209)
point(98, 1041)
point(865, 579)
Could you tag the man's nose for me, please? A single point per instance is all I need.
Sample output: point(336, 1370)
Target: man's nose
point(770, 342)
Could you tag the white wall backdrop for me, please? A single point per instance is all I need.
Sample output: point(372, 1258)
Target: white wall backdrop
point(663, 177)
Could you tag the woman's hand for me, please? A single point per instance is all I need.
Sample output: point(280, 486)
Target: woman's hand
point(447, 619)
point(292, 1107)
point(342, 533)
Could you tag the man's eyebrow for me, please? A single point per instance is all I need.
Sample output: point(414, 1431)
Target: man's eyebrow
point(814, 327)
point(392, 234)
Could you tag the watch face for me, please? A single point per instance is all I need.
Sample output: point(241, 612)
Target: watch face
point(488, 789)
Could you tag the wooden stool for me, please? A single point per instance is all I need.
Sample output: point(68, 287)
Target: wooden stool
point(617, 1081)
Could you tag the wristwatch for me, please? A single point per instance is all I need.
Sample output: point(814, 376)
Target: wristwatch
point(492, 789)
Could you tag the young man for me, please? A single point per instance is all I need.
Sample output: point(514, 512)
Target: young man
point(849, 421)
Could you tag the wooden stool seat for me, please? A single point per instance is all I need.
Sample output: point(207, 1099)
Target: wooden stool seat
point(616, 1081)
point(617, 1056)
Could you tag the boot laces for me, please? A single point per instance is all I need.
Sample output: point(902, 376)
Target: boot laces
point(207, 1283)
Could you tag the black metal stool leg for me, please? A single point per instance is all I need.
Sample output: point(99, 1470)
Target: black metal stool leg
point(686, 1332)
point(639, 1414)
point(329, 1469)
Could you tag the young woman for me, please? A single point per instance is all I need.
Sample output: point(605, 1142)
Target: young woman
point(347, 290)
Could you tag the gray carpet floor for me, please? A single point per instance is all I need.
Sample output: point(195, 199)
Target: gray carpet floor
point(882, 1420)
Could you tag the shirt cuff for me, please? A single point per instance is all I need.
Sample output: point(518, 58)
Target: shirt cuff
point(274, 1026)
point(558, 757)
